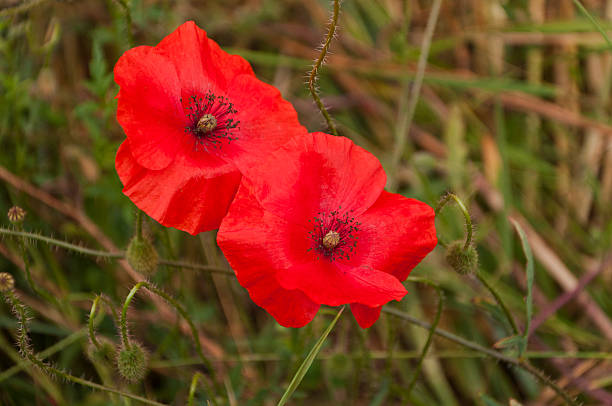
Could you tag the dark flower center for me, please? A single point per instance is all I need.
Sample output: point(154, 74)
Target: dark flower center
point(334, 235)
point(211, 120)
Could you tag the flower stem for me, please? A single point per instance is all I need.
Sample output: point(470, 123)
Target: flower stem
point(469, 228)
point(178, 307)
point(432, 330)
point(521, 363)
point(499, 301)
point(105, 254)
point(319, 62)
point(21, 311)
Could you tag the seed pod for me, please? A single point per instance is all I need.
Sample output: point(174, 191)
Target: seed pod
point(16, 215)
point(464, 261)
point(7, 282)
point(132, 362)
point(142, 256)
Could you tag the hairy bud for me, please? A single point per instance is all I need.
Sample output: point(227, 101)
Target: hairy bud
point(7, 282)
point(132, 362)
point(16, 215)
point(464, 261)
point(142, 256)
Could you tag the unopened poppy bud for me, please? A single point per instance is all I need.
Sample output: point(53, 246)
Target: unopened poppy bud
point(16, 214)
point(7, 282)
point(462, 260)
point(142, 256)
point(104, 353)
point(132, 362)
point(331, 239)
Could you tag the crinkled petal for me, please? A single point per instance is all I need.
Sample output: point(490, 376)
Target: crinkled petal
point(317, 173)
point(255, 243)
point(200, 63)
point(183, 196)
point(333, 284)
point(148, 106)
point(267, 121)
point(365, 315)
point(396, 234)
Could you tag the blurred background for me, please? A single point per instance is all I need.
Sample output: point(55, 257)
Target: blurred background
point(513, 117)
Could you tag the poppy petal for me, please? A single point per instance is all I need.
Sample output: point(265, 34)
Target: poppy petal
point(334, 284)
point(149, 108)
point(320, 173)
point(182, 195)
point(255, 242)
point(267, 121)
point(396, 234)
point(365, 315)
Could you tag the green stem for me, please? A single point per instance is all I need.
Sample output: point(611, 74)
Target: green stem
point(178, 307)
point(499, 301)
point(406, 115)
point(469, 228)
point(521, 363)
point(21, 311)
point(128, 21)
point(139, 224)
point(105, 254)
point(193, 387)
point(92, 315)
point(432, 330)
point(593, 21)
point(319, 62)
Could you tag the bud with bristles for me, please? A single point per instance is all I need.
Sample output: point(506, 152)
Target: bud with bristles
point(462, 260)
point(16, 215)
point(132, 362)
point(7, 282)
point(142, 256)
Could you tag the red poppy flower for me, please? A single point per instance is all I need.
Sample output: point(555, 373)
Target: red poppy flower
point(193, 115)
point(312, 225)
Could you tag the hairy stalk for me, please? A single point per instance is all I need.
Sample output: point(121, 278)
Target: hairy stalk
point(499, 301)
point(432, 330)
point(23, 342)
point(521, 363)
point(312, 79)
point(105, 254)
point(469, 227)
point(151, 288)
point(406, 115)
point(23, 249)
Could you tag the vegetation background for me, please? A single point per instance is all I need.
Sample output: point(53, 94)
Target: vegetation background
point(513, 116)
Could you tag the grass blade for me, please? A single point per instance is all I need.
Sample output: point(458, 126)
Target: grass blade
point(530, 275)
point(301, 372)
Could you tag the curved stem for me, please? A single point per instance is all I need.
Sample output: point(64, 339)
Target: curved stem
point(90, 323)
point(499, 301)
point(319, 62)
point(128, 21)
point(487, 351)
point(193, 387)
point(432, 330)
point(21, 311)
point(469, 228)
point(178, 307)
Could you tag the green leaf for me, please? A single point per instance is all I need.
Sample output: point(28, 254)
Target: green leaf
point(530, 275)
point(303, 369)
